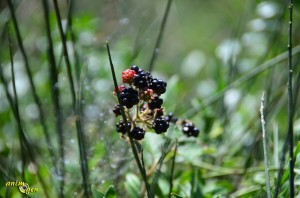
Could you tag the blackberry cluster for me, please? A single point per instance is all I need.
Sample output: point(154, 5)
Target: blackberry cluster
point(143, 91)
point(189, 129)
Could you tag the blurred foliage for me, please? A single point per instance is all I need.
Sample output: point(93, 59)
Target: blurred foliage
point(208, 53)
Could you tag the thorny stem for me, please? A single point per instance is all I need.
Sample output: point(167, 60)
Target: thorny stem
point(290, 104)
point(265, 145)
point(132, 143)
point(159, 37)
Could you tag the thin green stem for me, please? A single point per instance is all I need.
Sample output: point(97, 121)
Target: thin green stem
point(173, 168)
point(25, 141)
point(76, 106)
point(65, 52)
point(29, 74)
point(80, 135)
point(290, 105)
point(132, 143)
point(265, 146)
point(159, 37)
point(55, 97)
point(16, 106)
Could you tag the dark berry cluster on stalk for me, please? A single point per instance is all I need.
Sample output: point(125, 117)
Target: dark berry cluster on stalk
point(142, 104)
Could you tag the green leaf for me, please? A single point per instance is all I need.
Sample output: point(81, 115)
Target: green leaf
point(132, 185)
point(176, 195)
point(96, 193)
point(110, 192)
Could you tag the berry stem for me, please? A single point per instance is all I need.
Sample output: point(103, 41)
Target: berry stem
point(132, 142)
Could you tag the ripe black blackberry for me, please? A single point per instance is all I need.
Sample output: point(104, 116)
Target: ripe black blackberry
point(190, 130)
point(136, 69)
point(129, 97)
point(171, 118)
point(140, 80)
point(155, 103)
point(121, 127)
point(158, 86)
point(117, 110)
point(160, 125)
point(137, 133)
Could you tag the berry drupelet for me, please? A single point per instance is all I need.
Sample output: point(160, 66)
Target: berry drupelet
point(137, 133)
point(136, 69)
point(155, 103)
point(121, 127)
point(171, 118)
point(160, 125)
point(117, 110)
point(129, 97)
point(190, 130)
point(158, 86)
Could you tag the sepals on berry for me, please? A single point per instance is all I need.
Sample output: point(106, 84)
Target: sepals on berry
point(146, 94)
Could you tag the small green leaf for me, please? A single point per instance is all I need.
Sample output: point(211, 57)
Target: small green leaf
point(132, 185)
point(110, 192)
point(176, 195)
point(96, 193)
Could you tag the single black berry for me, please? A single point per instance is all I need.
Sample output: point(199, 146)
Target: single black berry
point(136, 69)
point(140, 80)
point(137, 133)
point(121, 127)
point(117, 110)
point(160, 125)
point(156, 102)
point(158, 86)
point(171, 118)
point(129, 97)
point(190, 130)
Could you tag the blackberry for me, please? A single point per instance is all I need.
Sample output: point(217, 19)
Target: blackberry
point(156, 102)
point(160, 125)
point(137, 133)
point(129, 97)
point(121, 127)
point(117, 110)
point(190, 130)
point(136, 69)
point(140, 80)
point(171, 118)
point(158, 86)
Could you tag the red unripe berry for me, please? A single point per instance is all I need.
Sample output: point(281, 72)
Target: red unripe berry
point(127, 75)
point(146, 94)
point(120, 88)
